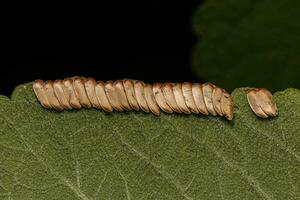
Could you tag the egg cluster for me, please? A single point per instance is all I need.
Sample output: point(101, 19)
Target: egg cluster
point(126, 95)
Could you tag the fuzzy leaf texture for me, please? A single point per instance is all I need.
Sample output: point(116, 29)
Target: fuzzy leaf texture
point(248, 43)
point(89, 154)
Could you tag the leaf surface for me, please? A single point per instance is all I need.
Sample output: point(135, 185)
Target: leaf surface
point(89, 154)
point(248, 43)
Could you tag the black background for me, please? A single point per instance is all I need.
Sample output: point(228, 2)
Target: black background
point(145, 40)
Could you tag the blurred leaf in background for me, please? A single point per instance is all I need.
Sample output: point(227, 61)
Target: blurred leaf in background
point(248, 43)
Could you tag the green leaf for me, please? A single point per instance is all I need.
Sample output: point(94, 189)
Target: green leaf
point(248, 43)
point(89, 154)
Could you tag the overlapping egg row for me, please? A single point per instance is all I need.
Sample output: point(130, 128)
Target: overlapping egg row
point(127, 94)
